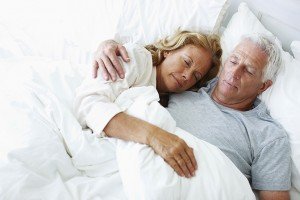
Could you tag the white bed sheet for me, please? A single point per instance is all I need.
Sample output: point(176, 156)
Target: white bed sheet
point(18, 38)
point(35, 161)
point(51, 157)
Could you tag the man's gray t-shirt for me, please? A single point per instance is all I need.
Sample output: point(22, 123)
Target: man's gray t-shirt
point(252, 140)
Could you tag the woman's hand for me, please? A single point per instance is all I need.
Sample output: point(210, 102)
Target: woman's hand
point(170, 147)
point(174, 151)
point(106, 59)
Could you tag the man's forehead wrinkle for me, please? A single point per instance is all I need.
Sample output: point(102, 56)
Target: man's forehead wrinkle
point(242, 55)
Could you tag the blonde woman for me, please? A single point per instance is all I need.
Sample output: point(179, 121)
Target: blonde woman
point(177, 63)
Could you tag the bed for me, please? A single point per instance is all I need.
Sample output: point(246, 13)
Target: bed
point(46, 50)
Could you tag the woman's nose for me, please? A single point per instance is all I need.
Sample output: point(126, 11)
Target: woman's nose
point(187, 75)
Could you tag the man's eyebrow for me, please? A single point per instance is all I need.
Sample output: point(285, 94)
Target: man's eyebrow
point(235, 56)
point(251, 66)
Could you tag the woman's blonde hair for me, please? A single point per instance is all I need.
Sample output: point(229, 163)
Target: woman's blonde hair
point(210, 42)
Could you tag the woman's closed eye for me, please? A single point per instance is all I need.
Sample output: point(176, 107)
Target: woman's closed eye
point(197, 76)
point(187, 63)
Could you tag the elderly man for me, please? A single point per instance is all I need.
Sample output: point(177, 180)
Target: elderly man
point(226, 113)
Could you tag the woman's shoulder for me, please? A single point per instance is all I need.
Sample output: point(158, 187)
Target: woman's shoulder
point(135, 46)
point(140, 59)
point(137, 51)
point(139, 55)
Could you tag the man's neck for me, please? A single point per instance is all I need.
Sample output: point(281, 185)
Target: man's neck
point(244, 105)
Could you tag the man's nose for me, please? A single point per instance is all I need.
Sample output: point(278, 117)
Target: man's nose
point(236, 72)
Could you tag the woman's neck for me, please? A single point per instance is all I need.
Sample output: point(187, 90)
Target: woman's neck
point(159, 81)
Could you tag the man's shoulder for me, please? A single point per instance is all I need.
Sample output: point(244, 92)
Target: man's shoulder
point(266, 122)
point(266, 130)
point(271, 150)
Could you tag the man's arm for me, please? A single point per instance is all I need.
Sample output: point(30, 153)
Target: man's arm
point(273, 195)
point(170, 147)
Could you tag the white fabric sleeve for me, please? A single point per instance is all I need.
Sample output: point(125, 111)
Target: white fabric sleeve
point(94, 103)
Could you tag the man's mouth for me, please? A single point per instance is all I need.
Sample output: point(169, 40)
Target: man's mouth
point(230, 84)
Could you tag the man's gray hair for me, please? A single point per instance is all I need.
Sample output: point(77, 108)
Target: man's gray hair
point(268, 45)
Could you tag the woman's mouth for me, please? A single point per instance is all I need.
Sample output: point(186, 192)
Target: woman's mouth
point(180, 85)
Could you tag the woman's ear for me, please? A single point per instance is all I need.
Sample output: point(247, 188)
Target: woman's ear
point(166, 53)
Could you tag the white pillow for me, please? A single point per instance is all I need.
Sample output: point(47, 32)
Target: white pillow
point(283, 31)
point(295, 47)
point(14, 42)
point(243, 22)
point(283, 101)
point(283, 98)
point(144, 21)
point(57, 29)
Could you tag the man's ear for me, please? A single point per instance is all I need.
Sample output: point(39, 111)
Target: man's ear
point(265, 86)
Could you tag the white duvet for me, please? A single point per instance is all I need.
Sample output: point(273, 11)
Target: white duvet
point(46, 155)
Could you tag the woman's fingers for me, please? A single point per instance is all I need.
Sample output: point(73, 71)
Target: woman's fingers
point(103, 71)
point(123, 53)
point(109, 67)
point(175, 152)
point(183, 165)
point(188, 161)
point(179, 153)
point(95, 69)
point(190, 153)
point(106, 59)
point(173, 163)
point(116, 64)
